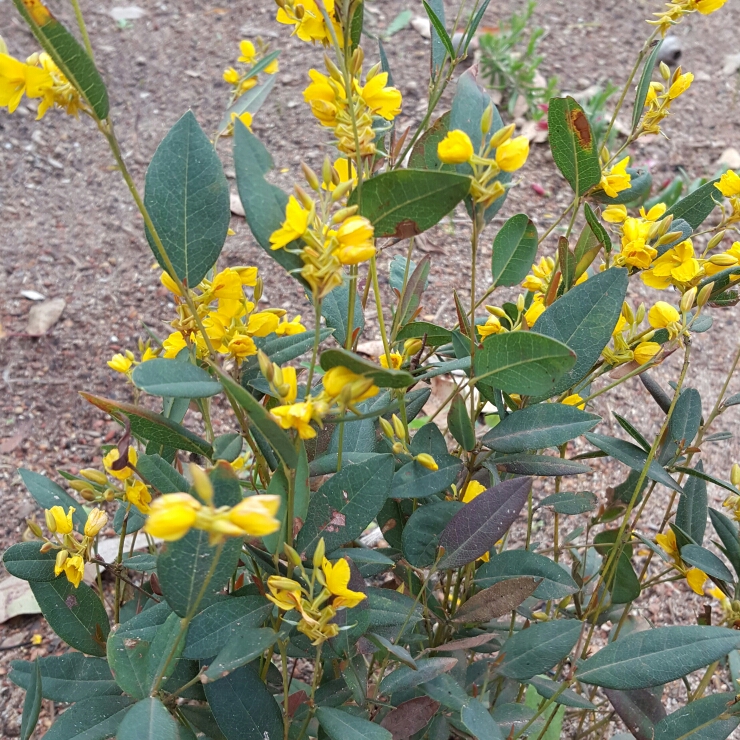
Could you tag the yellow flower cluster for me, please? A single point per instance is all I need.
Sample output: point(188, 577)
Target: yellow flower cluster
point(676, 9)
point(501, 153)
point(308, 20)
point(729, 186)
point(173, 515)
point(124, 362)
point(694, 577)
point(232, 323)
point(73, 550)
point(347, 116)
point(343, 389)
point(399, 439)
point(38, 77)
point(329, 240)
point(630, 342)
point(660, 96)
point(318, 597)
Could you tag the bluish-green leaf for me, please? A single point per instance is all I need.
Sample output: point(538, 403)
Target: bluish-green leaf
point(537, 649)
point(26, 561)
point(335, 310)
point(726, 530)
point(96, 718)
point(245, 646)
point(696, 206)
point(691, 514)
point(148, 720)
point(640, 183)
point(422, 531)
point(459, 424)
point(514, 250)
point(479, 722)
point(568, 502)
point(700, 720)
point(164, 651)
point(569, 698)
point(686, 419)
point(160, 474)
point(656, 656)
point(584, 319)
point(164, 377)
point(406, 677)
point(424, 154)
point(523, 464)
point(32, 702)
point(340, 725)
point(382, 377)
point(438, 47)
point(644, 85)
point(527, 363)
point(187, 197)
point(705, 560)
point(46, 494)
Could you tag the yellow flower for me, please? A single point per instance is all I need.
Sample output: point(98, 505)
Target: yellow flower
point(59, 522)
point(355, 237)
point(617, 179)
point(512, 154)
point(286, 593)
point(96, 520)
point(309, 22)
point(231, 76)
point(174, 344)
point(472, 490)
point(729, 184)
point(492, 326)
point(138, 494)
point(662, 315)
point(242, 346)
point(346, 170)
point(455, 148)
point(166, 280)
point(537, 280)
point(396, 361)
point(535, 311)
point(337, 579)
point(668, 544)
point(74, 569)
point(17, 78)
point(324, 98)
point(336, 378)
point(247, 52)
point(705, 7)
point(574, 400)
point(37, 639)
point(120, 363)
point(719, 262)
point(427, 461)
point(678, 265)
point(296, 416)
point(263, 323)
point(113, 456)
point(295, 224)
point(245, 118)
point(172, 516)
point(286, 383)
point(255, 515)
point(680, 86)
point(615, 214)
point(655, 213)
point(289, 328)
point(383, 101)
point(645, 351)
point(272, 68)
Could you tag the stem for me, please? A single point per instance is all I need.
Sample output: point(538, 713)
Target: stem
point(316, 342)
point(379, 308)
point(83, 29)
point(314, 685)
point(119, 558)
point(286, 694)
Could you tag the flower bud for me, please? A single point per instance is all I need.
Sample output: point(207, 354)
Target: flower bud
point(299, 11)
point(665, 224)
point(687, 300)
point(387, 428)
point(671, 236)
point(373, 71)
point(109, 495)
point(326, 172)
point(280, 4)
point(647, 336)
point(51, 523)
point(96, 476)
point(496, 311)
point(265, 364)
point(303, 197)
point(627, 312)
point(358, 57)
point(318, 556)
point(96, 520)
point(640, 314)
point(704, 295)
point(202, 483)
point(398, 448)
point(343, 214)
point(520, 303)
point(399, 428)
point(293, 557)
point(735, 475)
point(665, 71)
point(310, 175)
point(89, 495)
point(80, 485)
point(716, 239)
point(487, 119)
point(502, 135)
point(277, 375)
point(412, 347)
point(342, 190)
point(61, 558)
point(427, 461)
point(258, 289)
point(34, 527)
point(46, 547)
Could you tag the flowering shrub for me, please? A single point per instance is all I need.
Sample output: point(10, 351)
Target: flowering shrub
point(255, 611)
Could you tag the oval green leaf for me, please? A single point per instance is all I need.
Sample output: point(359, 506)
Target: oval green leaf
point(164, 377)
point(148, 720)
point(538, 648)
point(514, 250)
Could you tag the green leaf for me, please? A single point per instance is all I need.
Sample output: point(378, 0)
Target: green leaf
point(422, 531)
point(632, 456)
point(538, 648)
point(187, 197)
point(475, 529)
point(726, 530)
point(152, 427)
point(67, 678)
point(26, 561)
point(523, 464)
point(514, 250)
point(334, 309)
point(573, 145)
point(556, 582)
point(395, 652)
point(382, 377)
point(389, 608)
point(597, 229)
point(424, 154)
point(459, 424)
point(341, 509)
point(264, 203)
point(241, 649)
point(478, 720)
point(584, 319)
point(569, 698)
point(243, 707)
point(253, 99)
point(697, 473)
point(75, 614)
point(435, 335)
point(32, 703)
point(439, 51)
point(694, 721)
point(656, 656)
point(148, 720)
point(413, 480)
point(626, 585)
point(46, 494)
point(571, 503)
point(228, 446)
point(686, 419)
point(644, 85)
point(91, 719)
point(67, 54)
point(691, 514)
point(440, 30)
point(696, 206)
point(168, 640)
point(213, 627)
point(523, 362)
point(707, 561)
point(261, 419)
point(163, 377)
point(160, 474)
point(412, 292)
point(406, 677)
point(340, 725)
point(403, 203)
point(182, 567)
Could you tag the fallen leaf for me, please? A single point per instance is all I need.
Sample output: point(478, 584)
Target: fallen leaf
point(16, 598)
point(422, 26)
point(44, 315)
